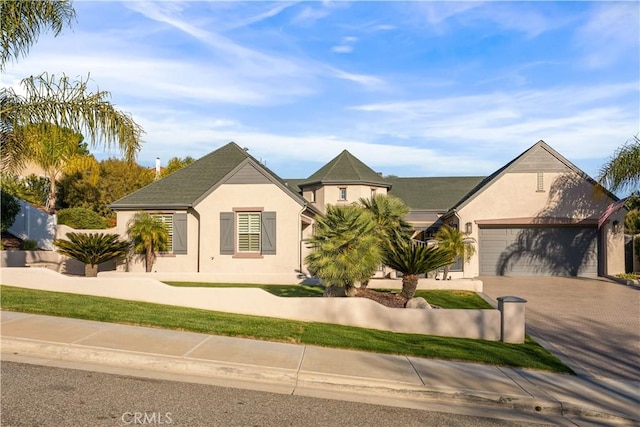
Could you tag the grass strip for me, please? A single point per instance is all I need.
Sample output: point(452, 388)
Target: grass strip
point(528, 355)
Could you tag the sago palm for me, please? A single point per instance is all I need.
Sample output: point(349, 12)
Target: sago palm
point(457, 243)
point(345, 248)
point(412, 260)
point(92, 249)
point(148, 235)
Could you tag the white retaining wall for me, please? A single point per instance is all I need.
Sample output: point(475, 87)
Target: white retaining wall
point(361, 312)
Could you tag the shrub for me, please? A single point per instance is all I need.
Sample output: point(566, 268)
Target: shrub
point(30, 245)
point(81, 218)
point(92, 249)
point(10, 208)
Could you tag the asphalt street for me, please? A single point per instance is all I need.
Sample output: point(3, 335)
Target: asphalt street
point(48, 396)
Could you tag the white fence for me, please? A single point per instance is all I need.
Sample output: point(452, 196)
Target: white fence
point(33, 224)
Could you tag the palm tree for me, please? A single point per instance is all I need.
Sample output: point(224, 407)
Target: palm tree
point(622, 171)
point(412, 259)
point(92, 249)
point(49, 99)
point(149, 236)
point(22, 22)
point(388, 213)
point(457, 243)
point(51, 148)
point(345, 247)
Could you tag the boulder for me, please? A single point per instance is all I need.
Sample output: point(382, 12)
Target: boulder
point(334, 291)
point(417, 303)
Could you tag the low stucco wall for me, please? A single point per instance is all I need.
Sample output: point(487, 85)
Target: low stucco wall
point(48, 259)
point(361, 312)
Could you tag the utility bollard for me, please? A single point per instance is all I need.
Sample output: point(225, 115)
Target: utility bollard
point(511, 319)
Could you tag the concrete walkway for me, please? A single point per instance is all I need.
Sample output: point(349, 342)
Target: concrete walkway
point(593, 325)
point(296, 369)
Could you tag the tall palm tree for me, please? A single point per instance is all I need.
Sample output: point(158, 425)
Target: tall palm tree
point(92, 249)
point(622, 171)
point(412, 260)
point(49, 99)
point(149, 236)
point(457, 243)
point(51, 148)
point(23, 21)
point(345, 247)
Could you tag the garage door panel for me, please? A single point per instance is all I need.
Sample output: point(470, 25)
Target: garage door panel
point(539, 251)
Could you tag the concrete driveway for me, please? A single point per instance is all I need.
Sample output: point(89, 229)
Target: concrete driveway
point(592, 324)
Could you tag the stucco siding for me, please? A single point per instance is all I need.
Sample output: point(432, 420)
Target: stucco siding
point(264, 197)
point(565, 195)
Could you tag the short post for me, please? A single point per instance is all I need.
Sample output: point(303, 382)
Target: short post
point(511, 319)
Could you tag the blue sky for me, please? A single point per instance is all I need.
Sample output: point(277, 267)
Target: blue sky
point(410, 88)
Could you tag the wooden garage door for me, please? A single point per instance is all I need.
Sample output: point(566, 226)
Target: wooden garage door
point(539, 251)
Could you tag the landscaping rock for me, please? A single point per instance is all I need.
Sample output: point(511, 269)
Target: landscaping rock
point(418, 303)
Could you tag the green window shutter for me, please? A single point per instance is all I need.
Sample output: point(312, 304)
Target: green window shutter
point(227, 246)
point(180, 233)
point(268, 233)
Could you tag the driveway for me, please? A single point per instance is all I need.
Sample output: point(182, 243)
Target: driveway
point(592, 324)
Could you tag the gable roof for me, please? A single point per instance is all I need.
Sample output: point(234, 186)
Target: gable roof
point(345, 168)
point(187, 186)
point(552, 154)
point(432, 193)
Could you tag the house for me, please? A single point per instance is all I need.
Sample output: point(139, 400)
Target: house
point(230, 215)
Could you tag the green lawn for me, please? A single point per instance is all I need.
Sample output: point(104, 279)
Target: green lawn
point(528, 355)
point(441, 298)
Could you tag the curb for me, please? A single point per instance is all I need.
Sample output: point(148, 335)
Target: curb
point(294, 379)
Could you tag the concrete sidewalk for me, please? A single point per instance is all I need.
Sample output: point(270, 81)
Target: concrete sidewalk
point(289, 368)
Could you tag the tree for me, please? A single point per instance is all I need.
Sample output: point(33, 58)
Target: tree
point(457, 243)
point(92, 249)
point(95, 190)
point(49, 99)
point(149, 236)
point(9, 209)
point(413, 259)
point(622, 171)
point(176, 163)
point(388, 213)
point(51, 148)
point(66, 104)
point(23, 21)
point(345, 248)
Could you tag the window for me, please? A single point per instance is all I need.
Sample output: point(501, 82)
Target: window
point(540, 187)
point(176, 225)
point(248, 232)
point(373, 193)
point(167, 220)
point(342, 193)
point(313, 196)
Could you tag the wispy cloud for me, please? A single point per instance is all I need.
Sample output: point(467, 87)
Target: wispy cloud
point(610, 35)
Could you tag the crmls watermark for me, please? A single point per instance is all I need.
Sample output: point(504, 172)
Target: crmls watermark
point(138, 418)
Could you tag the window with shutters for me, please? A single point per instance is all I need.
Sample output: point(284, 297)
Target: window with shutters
point(167, 220)
point(248, 232)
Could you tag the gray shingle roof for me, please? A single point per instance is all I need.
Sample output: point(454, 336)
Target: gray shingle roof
point(432, 193)
point(345, 169)
point(186, 186)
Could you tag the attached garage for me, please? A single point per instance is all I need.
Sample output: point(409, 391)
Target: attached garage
point(539, 251)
